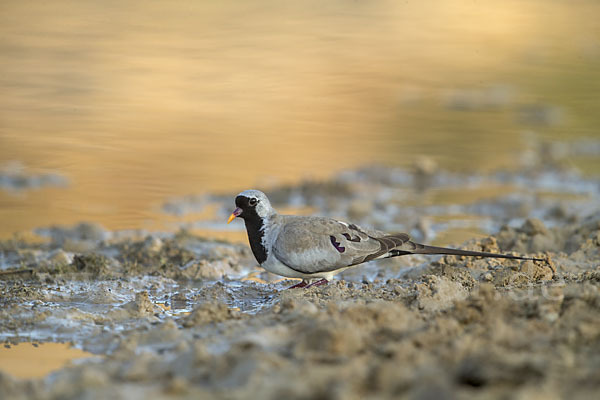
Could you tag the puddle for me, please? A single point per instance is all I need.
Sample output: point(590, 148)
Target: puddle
point(37, 360)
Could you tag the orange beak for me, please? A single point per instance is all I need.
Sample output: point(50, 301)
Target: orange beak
point(235, 213)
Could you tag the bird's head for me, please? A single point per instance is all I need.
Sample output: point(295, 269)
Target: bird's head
point(251, 204)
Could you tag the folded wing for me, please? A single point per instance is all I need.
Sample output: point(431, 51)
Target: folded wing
point(312, 245)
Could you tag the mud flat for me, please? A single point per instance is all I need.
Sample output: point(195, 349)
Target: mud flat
point(182, 316)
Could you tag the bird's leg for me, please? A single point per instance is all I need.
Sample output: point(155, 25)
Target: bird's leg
point(320, 282)
point(302, 283)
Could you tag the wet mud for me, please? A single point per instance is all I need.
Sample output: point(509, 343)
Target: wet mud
point(183, 316)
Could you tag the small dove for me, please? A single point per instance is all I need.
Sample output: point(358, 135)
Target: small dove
point(318, 248)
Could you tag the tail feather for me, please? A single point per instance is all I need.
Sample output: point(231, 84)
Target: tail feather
point(424, 249)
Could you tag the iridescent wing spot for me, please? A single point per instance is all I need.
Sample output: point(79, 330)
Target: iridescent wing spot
point(337, 244)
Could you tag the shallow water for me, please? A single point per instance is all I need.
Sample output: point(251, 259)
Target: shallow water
point(132, 104)
point(36, 360)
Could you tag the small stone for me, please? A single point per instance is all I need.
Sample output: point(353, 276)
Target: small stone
point(153, 244)
point(534, 226)
point(399, 290)
point(177, 386)
point(489, 244)
point(528, 268)
point(60, 257)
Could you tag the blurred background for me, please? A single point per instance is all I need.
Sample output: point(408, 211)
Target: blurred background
point(109, 108)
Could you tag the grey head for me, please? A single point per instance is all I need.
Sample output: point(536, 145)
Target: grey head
point(252, 205)
point(254, 202)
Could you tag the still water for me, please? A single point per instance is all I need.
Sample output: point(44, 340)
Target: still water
point(137, 102)
point(36, 360)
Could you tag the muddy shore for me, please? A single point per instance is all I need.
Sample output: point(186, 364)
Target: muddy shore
point(183, 316)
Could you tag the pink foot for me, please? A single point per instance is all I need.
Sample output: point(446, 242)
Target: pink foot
point(318, 283)
point(299, 285)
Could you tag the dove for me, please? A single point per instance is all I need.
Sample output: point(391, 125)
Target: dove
point(311, 248)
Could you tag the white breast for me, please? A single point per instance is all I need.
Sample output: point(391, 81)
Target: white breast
point(272, 263)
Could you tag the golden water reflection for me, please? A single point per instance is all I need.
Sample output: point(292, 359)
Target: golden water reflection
point(30, 361)
point(137, 102)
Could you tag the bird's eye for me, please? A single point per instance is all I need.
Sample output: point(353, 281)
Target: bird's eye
point(253, 202)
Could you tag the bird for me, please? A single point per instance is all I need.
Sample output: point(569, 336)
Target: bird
point(310, 248)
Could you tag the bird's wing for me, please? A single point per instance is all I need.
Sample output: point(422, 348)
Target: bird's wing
point(311, 245)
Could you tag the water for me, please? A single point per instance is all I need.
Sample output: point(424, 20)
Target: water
point(36, 360)
point(136, 103)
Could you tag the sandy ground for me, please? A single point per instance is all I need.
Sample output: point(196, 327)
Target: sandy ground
point(182, 316)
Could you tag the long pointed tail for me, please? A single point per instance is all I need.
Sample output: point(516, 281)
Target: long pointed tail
point(424, 249)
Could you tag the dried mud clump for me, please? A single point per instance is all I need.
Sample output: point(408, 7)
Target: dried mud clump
point(182, 256)
point(210, 313)
point(94, 264)
point(141, 306)
point(179, 256)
